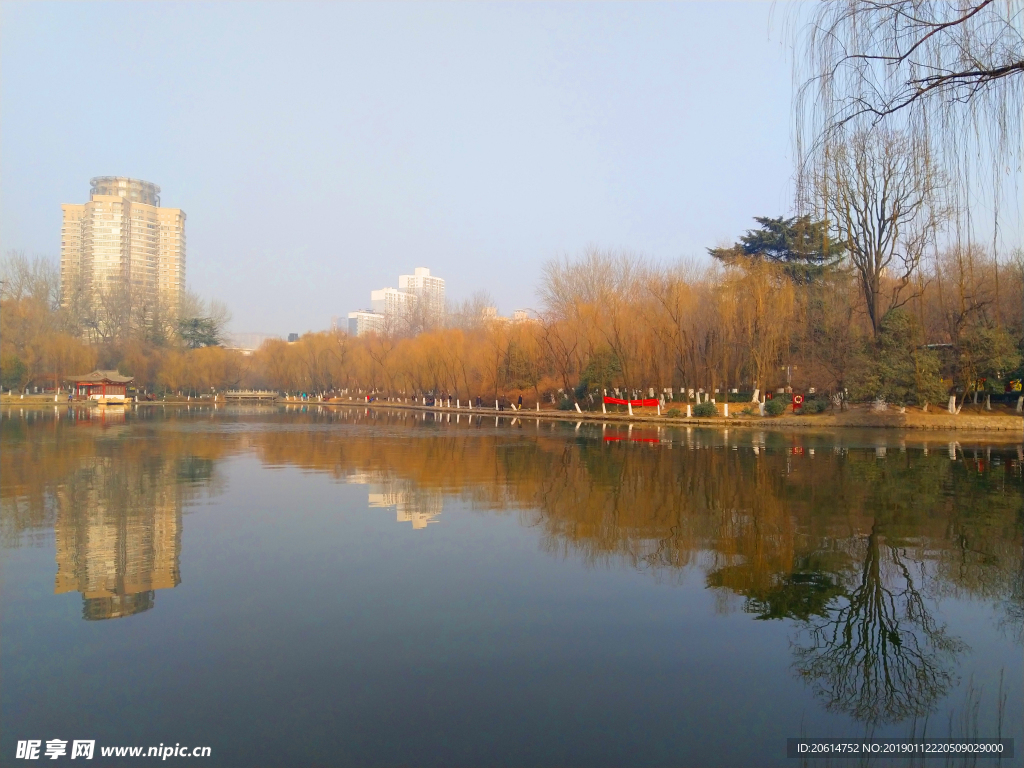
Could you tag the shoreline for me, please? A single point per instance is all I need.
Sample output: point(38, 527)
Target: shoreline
point(1004, 424)
point(998, 423)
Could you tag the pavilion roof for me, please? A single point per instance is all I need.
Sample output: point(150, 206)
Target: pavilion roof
point(101, 377)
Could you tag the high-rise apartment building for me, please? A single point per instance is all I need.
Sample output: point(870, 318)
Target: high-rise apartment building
point(122, 242)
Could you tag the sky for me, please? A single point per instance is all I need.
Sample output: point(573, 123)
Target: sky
point(320, 150)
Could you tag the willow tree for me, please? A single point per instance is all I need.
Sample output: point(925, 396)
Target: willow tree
point(949, 72)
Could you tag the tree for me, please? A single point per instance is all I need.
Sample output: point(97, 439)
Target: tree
point(764, 312)
point(201, 324)
point(196, 332)
point(900, 369)
point(950, 72)
point(986, 353)
point(885, 202)
point(800, 243)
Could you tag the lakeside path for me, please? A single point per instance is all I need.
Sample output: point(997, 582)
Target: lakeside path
point(1006, 425)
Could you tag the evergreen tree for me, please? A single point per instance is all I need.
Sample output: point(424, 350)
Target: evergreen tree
point(802, 245)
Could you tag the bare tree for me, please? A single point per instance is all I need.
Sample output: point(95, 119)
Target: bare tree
point(37, 278)
point(885, 202)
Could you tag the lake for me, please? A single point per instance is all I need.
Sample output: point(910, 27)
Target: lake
point(345, 586)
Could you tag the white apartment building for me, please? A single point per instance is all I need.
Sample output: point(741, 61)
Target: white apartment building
point(364, 321)
point(417, 303)
point(393, 303)
point(429, 291)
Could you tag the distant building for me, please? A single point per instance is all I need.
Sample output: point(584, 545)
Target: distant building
point(122, 239)
point(417, 303)
point(363, 321)
point(292, 338)
point(392, 303)
point(490, 314)
point(248, 342)
point(429, 292)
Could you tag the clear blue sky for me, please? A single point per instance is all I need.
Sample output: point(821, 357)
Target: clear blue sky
point(321, 150)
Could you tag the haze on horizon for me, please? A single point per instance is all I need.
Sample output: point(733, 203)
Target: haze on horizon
point(319, 151)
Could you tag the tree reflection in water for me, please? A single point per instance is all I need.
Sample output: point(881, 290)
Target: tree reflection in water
point(877, 653)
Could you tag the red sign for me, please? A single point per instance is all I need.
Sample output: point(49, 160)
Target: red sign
point(649, 402)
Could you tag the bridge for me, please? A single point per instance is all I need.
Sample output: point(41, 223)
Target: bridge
point(251, 395)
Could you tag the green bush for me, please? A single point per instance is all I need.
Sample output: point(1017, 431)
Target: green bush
point(673, 413)
point(565, 404)
point(815, 406)
point(703, 410)
point(775, 407)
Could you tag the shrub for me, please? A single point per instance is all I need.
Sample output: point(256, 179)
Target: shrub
point(704, 410)
point(815, 406)
point(673, 413)
point(775, 407)
point(565, 404)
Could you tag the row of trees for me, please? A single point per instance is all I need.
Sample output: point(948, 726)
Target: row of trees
point(612, 320)
point(771, 310)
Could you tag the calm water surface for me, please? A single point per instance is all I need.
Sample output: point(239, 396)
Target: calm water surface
point(355, 588)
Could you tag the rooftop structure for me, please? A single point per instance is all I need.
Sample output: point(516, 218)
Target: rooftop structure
point(136, 190)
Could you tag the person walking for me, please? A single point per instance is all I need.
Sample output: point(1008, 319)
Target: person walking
point(520, 406)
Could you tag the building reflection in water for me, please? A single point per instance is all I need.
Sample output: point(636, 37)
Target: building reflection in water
point(412, 504)
point(113, 496)
point(118, 535)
